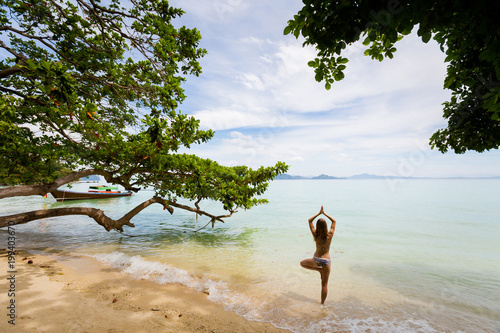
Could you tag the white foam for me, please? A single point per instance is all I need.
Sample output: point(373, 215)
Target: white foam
point(372, 324)
point(253, 308)
point(139, 268)
point(219, 292)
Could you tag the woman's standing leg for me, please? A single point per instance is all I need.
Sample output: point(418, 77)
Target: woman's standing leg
point(325, 274)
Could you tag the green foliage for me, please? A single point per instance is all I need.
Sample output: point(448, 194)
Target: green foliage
point(91, 84)
point(468, 32)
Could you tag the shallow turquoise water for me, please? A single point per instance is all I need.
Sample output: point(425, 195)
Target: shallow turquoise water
point(412, 256)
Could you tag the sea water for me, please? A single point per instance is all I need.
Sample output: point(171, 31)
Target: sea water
point(415, 255)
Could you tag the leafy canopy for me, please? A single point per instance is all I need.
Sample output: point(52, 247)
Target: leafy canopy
point(468, 32)
point(96, 85)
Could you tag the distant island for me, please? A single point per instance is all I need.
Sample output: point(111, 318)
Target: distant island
point(370, 176)
point(323, 176)
point(287, 176)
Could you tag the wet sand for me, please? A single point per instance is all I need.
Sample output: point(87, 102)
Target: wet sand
point(58, 292)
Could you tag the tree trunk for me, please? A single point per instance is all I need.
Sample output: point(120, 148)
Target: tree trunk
point(99, 216)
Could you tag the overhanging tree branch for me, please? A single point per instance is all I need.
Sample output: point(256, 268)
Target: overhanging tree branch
point(99, 216)
point(94, 213)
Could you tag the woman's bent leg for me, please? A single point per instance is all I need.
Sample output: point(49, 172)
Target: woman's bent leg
point(310, 264)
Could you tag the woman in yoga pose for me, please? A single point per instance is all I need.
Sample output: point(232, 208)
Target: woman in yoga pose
point(321, 260)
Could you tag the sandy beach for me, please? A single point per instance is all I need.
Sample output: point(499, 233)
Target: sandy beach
point(58, 292)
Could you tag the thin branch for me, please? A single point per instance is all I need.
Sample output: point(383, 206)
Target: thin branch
point(203, 226)
point(59, 130)
point(197, 203)
point(140, 207)
point(41, 40)
point(195, 210)
point(109, 11)
point(60, 9)
point(21, 61)
point(13, 92)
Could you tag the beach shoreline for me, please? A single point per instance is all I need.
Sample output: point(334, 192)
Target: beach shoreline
point(55, 291)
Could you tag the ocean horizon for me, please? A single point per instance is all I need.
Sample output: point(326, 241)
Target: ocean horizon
point(417, 255)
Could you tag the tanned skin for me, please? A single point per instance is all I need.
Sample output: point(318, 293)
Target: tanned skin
point(322, 251)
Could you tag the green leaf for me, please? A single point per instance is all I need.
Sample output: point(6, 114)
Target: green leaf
point(490, 102)
point(488, 55)
point(426, 36)
point(31, 64)
point(449, 81)
point(45, 65)
point(319, 75)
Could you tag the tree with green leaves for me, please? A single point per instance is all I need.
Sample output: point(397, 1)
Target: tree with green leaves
point(468, 32)
point(93, 87)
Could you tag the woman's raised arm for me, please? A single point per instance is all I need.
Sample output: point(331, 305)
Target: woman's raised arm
point(311, 226)
point(332, 228)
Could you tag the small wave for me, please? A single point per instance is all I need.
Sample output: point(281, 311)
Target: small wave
point(139, 268)
point(387, 326)
point(305, 318)
point(218, 291)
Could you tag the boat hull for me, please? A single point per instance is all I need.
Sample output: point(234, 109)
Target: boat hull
point(62, 195)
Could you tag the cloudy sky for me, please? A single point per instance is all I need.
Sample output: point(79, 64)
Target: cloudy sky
point(260, 97)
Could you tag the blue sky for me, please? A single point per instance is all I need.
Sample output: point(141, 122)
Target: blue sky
point(260, 97)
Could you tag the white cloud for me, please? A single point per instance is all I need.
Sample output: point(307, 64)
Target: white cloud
point(252, 81)
point(221, 119)
point(283, 80)
point(213, 11)
point(259, 94)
